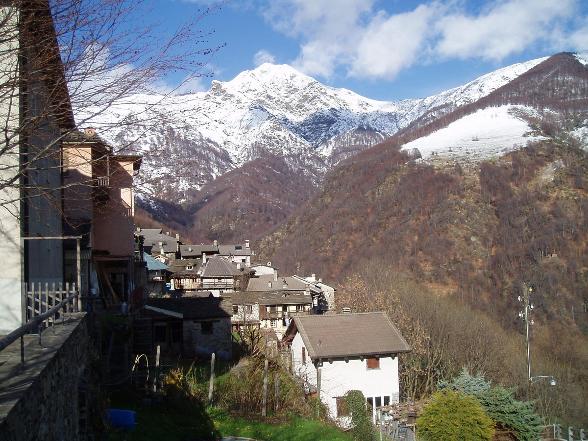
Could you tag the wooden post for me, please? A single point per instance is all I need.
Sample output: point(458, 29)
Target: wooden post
point(78, 300)
point(318, 391)
point(264, 404)
point(211, 384)
point(46, 321)
point(156, 375)
point(277, 389)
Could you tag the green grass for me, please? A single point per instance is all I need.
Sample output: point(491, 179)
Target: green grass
point(192, 422)
point(295, 429)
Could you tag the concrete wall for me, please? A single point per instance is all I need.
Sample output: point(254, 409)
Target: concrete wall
point(10, 249)
point(43, 401)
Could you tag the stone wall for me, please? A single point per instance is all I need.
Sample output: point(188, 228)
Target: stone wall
point(197, 342)
point(48, 399)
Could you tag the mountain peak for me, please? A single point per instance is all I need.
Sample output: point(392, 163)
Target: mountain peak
point(268, 74)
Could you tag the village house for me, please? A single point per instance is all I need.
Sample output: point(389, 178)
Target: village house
point(271, 310)
point(98, 204)
point(35, 110)
point(158, 275)
point(190, 326)
point(272, 282)
point(162, 246)
point(264, 269)
point(221, 275)
point(75, 199)
point(237, 253)
point(336, 353)
point(185, 275)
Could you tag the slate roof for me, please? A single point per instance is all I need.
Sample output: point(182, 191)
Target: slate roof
point(197, 250)
point(348, 335)
point(192, 308)
point(234, 250)
point(178, 267)
point(271, 298)
point(220, 267)
point(262, 283)
point(153, 264)
point(152, 237)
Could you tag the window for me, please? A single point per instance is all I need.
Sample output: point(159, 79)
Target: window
point(189, 267)
point(342, 408)
point(378, 401)
point(284, 308)
point(238, 247)
point(206, 328)
point(235, 309)
point(386, 400)
point(370, 402)
point(272, 309)
point(273, 323)
point(249, 309)
point(299, 308)
point(303, 355)
point(373, 363)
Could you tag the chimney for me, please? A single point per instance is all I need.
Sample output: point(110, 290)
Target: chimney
point(160, 244)
point(269, 284)
point(320, 280)
point(215, 242)
point(275, 274)
point(178, 236)
point(203, 258)
point(238, 265)
point(313, 277)
point(247, 243)
point(90, 132)
point(138, 229)
point(190, 249)
point(167, 233)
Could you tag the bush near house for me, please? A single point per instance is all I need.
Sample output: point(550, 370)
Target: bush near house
point(363, 429)
point(511, 415)
point(454, 416)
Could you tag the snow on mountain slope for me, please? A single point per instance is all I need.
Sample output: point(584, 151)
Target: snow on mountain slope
point(272, 109)
point(486, 133)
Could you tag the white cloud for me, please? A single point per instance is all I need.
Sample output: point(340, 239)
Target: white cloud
point(392, 43)
point(263, 56)
point(354, 37)
point(504, 29)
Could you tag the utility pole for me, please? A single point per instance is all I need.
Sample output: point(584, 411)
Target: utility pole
point(525, 315)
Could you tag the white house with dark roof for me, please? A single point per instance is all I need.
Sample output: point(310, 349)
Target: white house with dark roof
point(334, 354)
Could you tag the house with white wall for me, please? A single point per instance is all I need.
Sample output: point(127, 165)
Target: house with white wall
point(336, 353)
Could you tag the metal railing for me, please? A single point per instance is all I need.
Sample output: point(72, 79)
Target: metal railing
point(39, 320)
point(557, 432)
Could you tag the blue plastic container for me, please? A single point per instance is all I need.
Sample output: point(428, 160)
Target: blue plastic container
point(122, 418)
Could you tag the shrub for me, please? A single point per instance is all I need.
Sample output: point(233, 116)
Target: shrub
point(454, 416)
point(467, 383)
point(518, 417)
point(363, 429)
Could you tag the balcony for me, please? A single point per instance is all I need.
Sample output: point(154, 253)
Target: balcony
point(102, 181)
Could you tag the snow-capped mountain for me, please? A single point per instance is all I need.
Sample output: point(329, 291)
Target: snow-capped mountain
point(272, 109)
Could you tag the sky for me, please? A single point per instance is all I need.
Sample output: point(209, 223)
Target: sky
point(382, 49)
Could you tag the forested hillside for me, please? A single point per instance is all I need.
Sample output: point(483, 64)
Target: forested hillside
point(467, 236)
